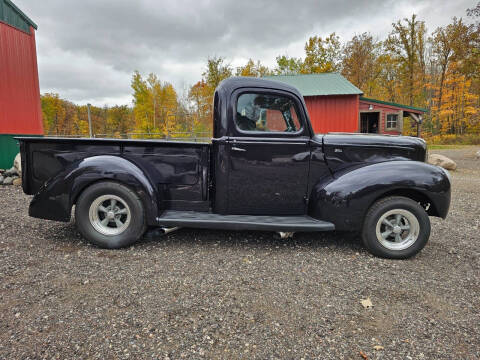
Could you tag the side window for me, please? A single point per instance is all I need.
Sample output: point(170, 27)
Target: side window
point(392, 121)
point(268, 113)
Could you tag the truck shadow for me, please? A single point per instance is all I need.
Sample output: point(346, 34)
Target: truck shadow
point(68, 236)
point(256, 239)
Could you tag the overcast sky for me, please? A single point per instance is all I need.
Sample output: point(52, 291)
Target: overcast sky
point(87, 50)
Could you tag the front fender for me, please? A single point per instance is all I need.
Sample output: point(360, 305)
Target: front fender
point(345, 200)
point(55, 199)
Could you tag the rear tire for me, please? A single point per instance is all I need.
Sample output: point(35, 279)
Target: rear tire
point(110, 215)
point(396, 228)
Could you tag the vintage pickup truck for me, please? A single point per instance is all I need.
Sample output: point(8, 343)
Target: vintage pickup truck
point(265, 169)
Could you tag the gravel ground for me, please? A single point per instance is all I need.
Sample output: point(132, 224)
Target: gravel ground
point(222, 294)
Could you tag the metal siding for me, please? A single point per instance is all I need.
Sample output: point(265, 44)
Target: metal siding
point(333, 113)
point(319, 84)
point(12, 15)
point(20, 109)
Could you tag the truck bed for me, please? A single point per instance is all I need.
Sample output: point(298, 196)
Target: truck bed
point(178, 169)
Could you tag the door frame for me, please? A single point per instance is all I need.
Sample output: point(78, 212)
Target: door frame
point(380, 131)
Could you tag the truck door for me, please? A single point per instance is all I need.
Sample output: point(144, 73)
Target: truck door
point(268, 154)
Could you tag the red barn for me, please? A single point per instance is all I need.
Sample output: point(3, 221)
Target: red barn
point(336, 105)
point(20, 109)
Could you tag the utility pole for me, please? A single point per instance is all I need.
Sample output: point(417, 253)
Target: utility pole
point(89, 121)
point(154, 106)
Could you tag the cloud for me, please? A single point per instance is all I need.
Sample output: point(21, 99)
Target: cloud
point(88, 49)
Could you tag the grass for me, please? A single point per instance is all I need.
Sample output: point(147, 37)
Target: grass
point(445, 147)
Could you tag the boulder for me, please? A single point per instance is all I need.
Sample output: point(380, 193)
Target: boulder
point(442, 161)
point(10, 172)
point(1, 179)
point(8, 181)
point(17, 164)
point(17, 182)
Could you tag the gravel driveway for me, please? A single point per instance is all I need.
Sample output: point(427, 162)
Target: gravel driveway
point(225, 294)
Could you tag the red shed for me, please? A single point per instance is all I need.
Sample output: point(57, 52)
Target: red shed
point(20, 109)
point(385, 117)
point(336, 105)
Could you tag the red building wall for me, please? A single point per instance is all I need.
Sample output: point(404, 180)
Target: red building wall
point(333, 113)
point(20, 109)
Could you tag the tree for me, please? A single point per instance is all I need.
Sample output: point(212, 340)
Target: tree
point(387, 84)
point(252, 69)
point(288, 65)
point(53, 113)
point(360, 61)
point(403, 43)
point(120, 120)
point(216, 71)
point(322, 55)
point(155, 105)
point(460, 106)
point(200, 95)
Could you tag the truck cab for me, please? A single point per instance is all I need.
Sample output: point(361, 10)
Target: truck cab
point(265, 169)
point(262, 148)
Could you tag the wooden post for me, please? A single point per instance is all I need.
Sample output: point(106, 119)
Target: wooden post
point(89, 121)
point(418, 120)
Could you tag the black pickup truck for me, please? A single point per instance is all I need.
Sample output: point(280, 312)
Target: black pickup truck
point(265, 169)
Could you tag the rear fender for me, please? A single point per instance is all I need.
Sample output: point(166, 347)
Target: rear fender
point(55, 199)
point(345, 200)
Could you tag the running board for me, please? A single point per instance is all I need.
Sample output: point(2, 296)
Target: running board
point(207, 220)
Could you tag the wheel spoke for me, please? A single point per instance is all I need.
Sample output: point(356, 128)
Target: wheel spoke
point(405, 227)
point(388, 223)
point(113, 202)
point(386, 234)
point(398, 219)
point(102, 209)
point(398, 238)
point(105, 221)
point(118, 222)
point(122, 211)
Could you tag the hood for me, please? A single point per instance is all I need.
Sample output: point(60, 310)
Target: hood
point(346, 150)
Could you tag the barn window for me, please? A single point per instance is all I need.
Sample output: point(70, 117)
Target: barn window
point(392, 121)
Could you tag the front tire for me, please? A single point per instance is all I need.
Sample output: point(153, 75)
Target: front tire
point(396, 228)
point(110, 215)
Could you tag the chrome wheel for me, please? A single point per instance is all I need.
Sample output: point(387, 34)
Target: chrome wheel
point(397, 229)
point(109, 215)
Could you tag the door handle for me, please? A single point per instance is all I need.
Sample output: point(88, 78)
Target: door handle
point(234, 148)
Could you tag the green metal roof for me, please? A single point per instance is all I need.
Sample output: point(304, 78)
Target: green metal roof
point(319, 84)
point(394, 104)
point(12, 15)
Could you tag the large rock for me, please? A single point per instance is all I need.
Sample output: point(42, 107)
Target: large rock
point(10, 172)
point(443, 161)
point(17, 181)
point(1, 179)
point(8, 181)
point(17, 164)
